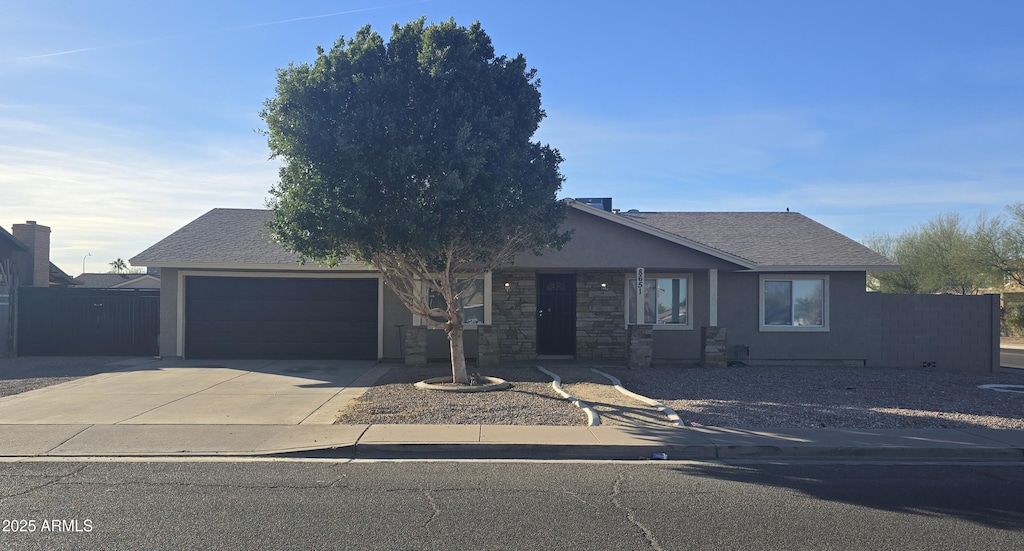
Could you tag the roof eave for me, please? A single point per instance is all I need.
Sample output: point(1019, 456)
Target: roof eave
point(825, 268)
point(245, 266)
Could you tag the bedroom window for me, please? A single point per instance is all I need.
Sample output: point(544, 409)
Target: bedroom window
point(665, 301)
point(474, 302)
point(794, 303)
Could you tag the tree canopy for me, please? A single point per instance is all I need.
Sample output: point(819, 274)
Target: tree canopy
point(415, 156)
point(948, 255)
point(1003, 238)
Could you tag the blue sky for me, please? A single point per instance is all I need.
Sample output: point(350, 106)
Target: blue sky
point(120, 121)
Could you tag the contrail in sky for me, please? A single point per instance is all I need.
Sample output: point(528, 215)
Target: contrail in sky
point(214, 31)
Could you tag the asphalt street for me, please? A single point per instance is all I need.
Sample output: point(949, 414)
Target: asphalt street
point(507, 505)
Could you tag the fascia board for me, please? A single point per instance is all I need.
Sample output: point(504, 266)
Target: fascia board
point(846, 268)
point(242, 266)
point(661, 234)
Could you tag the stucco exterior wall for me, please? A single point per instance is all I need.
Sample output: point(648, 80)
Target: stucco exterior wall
point(396, 321)
point(599, 244)
point(168, 340)
point(848, 322)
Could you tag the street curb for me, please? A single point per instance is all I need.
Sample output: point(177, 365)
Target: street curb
point(711, 452)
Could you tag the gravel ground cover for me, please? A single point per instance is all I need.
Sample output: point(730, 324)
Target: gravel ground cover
point(530, 401)
point(23, 374)
point(833, 397)
point(739, 397)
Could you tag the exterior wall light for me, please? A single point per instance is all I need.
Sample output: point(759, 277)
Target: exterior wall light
point(604, 285)
point(508, 287)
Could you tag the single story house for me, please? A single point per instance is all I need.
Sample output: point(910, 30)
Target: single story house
point(117, 281)
point(784, 287)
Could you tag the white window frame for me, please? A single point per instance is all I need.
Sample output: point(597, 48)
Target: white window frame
point(687, 277)
point(823, 328)
point(430, 324)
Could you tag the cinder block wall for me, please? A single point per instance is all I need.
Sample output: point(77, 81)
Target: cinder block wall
point(948, 332)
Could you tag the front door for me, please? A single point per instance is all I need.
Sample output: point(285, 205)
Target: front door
point(556, 314)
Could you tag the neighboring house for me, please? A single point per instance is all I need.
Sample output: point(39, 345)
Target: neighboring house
point(24, 262)
point(784, 287)
point(118, 281)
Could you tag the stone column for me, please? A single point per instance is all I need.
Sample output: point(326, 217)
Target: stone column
point(641, 346)
point(487, 353)
point(712, 352)
point(415, 345)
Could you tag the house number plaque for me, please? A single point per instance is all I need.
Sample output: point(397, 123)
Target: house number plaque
point(639, 296)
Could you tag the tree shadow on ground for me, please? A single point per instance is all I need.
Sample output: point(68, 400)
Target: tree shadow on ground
point(928, 490)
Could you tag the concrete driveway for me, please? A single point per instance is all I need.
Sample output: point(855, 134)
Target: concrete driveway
point(170, 392)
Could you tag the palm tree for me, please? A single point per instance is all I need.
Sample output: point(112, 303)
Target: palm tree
point(119, 266)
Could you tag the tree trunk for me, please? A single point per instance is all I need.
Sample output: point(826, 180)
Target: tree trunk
point(459, 374)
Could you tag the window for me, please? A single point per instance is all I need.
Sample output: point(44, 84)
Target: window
point(666, 301)
point(794, 303)
point(474, 302)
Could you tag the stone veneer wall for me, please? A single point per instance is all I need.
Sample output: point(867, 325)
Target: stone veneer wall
point(514, 314)
point(712, 352)
point(488, 354)
point(415, 345)
point(641, 346)
point(600, 316)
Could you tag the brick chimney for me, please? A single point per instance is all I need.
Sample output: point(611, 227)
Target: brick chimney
point(37, 238)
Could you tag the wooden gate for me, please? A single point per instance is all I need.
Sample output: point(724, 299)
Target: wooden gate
point(88, 322)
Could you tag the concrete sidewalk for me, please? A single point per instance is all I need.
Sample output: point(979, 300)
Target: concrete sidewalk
point(507, 442)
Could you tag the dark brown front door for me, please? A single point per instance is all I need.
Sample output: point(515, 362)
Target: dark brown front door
point(556, 314)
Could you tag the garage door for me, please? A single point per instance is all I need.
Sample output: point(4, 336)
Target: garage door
point(250, 317)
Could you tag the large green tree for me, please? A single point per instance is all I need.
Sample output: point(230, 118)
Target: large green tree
point(417, 157)
point(943, 255)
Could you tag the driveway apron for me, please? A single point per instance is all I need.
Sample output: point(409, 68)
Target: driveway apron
point(194, 392)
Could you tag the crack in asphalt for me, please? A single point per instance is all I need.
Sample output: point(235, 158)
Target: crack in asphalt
point(579, 498)
point(436, 511)
point(56, 479)
point(630, 514)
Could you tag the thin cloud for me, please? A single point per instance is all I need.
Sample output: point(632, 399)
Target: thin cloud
point(113, 200)
point(213, 31)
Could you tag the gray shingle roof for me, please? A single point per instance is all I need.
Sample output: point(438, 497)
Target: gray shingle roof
point(11, 240)
point(767, 239)
point(221, 236)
